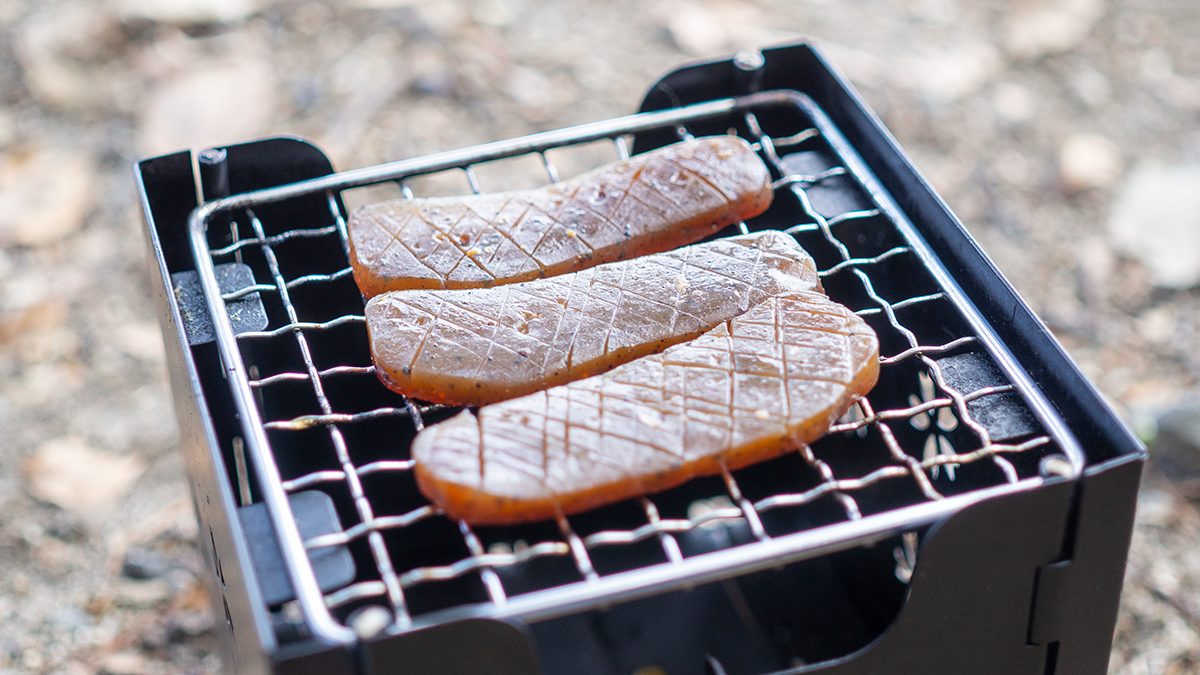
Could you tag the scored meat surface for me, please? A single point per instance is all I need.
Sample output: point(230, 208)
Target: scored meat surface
point(651, 202)
point(478, 346)
point(748, 390)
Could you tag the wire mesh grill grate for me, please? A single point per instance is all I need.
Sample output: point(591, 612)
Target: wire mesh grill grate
point(333, 427)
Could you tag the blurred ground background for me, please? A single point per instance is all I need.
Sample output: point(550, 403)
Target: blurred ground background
point(1066, 133)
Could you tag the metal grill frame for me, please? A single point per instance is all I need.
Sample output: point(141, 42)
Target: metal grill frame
point(596, 591)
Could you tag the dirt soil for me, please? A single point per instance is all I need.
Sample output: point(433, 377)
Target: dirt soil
point(1037, 120)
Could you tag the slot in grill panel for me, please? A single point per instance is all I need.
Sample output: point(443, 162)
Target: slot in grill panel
point(331, 426)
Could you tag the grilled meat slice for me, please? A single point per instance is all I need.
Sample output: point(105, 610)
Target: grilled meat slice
point(748, 390)
point(478, 346)
point(652, 202)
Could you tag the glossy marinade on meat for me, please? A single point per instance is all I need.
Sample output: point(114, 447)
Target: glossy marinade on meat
point(764, 383)
point(479, 346)
point(651, 202)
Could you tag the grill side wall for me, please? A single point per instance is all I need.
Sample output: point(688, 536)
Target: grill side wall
point(166, 188)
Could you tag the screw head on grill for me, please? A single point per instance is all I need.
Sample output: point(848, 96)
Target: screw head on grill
point(370, 621)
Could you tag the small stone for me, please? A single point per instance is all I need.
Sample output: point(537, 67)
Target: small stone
point(1014, 102)
point(142, 563)
point(1156, 220)
point(695, 30)
point(1155, 65)
point(124, 663)
point(71, 474)
point(54, 556)
point(1176, 448)
point(1156, 505)
point(714, 28)
point(44, 195)
point(1091, 87)
point(213, 104)
point(1158, 325)
point(1037, 29)
point(140, 339)
point(864, 67)
point(187, 12)
point(1014, 167)
point(19, 583)
point(1088, 161)
point(8, 127)
point(439, 18)
point(497, 13)
point(20, 323)
point(65, 526)
point(62, 52)
point(532, 89)
point(184, 625)
point(71, 618)
point(142, 594)
point(950, 74)
point(77, 668)
point(33, 660)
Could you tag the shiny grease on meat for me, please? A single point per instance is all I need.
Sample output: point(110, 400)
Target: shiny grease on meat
point(753, 388)
point(649, 203)
point(479, 346)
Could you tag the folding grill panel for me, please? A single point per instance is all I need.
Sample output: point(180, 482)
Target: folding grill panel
point(976, 420)
point(318, 419)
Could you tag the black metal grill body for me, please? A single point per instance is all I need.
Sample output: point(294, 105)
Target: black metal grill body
point(1019, 556)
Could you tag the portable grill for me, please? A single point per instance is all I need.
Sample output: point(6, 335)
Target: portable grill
point(972, 514)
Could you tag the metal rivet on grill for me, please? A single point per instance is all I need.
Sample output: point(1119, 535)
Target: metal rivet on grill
point(214, 172)
point(1056, 465)
point(370, 621)
point(748, 70)
point(750, 59)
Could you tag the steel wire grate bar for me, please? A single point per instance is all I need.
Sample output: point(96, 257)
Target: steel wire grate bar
point(921, 422)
